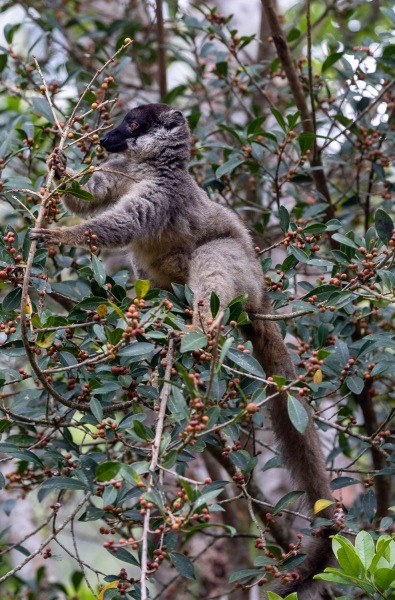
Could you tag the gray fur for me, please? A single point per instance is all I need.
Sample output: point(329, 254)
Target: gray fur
point(177, 234)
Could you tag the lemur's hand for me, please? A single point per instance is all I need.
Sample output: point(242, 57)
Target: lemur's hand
point(57, 159)
point(45, 237)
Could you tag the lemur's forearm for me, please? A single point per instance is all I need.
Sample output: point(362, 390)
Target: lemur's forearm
point(117, 227)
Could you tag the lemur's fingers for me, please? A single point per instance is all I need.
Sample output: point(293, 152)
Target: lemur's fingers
point(45, 237)
point(58, 160)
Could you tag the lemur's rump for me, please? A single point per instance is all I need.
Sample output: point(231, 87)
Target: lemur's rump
point(145, 200)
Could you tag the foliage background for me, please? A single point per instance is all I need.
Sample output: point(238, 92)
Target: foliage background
point(300, 143)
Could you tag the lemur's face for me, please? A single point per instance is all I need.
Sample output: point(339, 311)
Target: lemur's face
point(143, 128)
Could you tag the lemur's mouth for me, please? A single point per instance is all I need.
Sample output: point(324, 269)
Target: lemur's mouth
point(114, 147)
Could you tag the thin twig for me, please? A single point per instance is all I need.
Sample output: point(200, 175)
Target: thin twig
point(48, 96)
point(347, 430)
point(160, 30)
point(46, 541)
point(178, 476)
point(27, 536)
point(363, 113)
point(284, 316)
point(24, 207)
point(164, 395)
point(249, 500)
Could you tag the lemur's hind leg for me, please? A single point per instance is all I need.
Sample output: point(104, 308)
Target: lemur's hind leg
point(209, 272)
point(223, 266)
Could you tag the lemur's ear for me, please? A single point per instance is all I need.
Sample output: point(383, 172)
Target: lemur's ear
point(173, 119)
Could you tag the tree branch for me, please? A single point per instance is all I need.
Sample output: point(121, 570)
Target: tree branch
point(287, 64)
point(40, 217)
point(160, 28)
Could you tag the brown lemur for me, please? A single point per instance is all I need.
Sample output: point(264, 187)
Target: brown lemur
point(145, 200)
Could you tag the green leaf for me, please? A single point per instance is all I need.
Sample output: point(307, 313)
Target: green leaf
point(214, 304)
point(322, 291)
point(299, 254)
point(355, 384)
point(20, 454)
point(172, 94)
point(384, 225)
point(228, 166)
point(315, 228)
point(343, 239)
point(262, 561)
point(107, 470)
point(224, 352)
point(77, 191)
point(341, 257)
point(118, 311)
point(333, 578)
point(384, 577)
point(3, 61)
point(204, 498)
point(257, 151)
point(255, 125)
point(341, 482)
point(142, 431)
point(274, 463)
point(246, 362)
point(99, 271)
point(330, 60)
point(369, 504)
point(183, 564)
point(306, 141)
point(193, 341)
point(293, 35)
point(125, 556)
point(349, 561)
point(284, 219)
point(129, 474)
point(142, 287)
point(221, 68)
point(96, 409)
point(342, 351)
point(297, 414)
point(64, 483)
point(12, 300)
point(279, 118)
point(286, 501)
point(41, 107)
point(243, 318)
point(92, 514)
point(293, 561)
point(382, 547)
point(137, 351)
point(364, 547)
point(45, 339)
point(244, 573)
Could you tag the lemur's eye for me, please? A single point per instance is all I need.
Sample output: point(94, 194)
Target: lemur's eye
point(133, 126)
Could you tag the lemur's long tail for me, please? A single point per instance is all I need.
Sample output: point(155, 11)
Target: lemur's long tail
point(302, 454)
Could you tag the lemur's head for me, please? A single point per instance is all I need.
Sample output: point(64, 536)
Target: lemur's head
point(149, 131)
